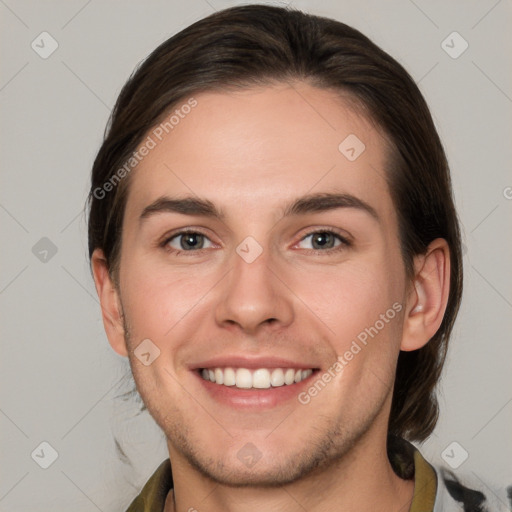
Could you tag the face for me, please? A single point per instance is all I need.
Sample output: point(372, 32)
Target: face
point(274, 326)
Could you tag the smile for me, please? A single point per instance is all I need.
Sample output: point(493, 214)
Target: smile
point(261, 378)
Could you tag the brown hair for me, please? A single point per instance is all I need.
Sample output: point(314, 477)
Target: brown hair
point(259, 45)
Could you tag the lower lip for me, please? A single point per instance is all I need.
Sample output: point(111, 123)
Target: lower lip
point(254, 398)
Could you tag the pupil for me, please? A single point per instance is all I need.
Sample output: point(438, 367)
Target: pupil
point(190, 240)
point(322, 239)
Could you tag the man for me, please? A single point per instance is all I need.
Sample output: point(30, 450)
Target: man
point(276, 250)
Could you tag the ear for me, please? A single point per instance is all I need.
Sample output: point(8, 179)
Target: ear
point(110, 304)
point(428, 296)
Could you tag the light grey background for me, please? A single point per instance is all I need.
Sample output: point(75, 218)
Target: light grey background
point(58, 375)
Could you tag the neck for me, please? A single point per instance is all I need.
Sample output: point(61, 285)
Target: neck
point(362, 479)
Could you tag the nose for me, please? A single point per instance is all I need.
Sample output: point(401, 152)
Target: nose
point(254, 296)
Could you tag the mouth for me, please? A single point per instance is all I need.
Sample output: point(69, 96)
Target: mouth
point(255, 379)
point(244, 382)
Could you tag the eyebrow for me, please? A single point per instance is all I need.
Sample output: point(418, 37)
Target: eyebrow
point(311, 203)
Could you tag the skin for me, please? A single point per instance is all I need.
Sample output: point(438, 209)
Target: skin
point(251, 153)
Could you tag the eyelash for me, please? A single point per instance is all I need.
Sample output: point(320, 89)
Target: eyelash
point(345, 243)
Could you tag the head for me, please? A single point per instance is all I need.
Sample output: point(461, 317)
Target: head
point(243, 113)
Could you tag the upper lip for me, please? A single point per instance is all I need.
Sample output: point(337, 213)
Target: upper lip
point(237, 361)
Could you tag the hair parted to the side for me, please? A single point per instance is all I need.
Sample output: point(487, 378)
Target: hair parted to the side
point(255, 45)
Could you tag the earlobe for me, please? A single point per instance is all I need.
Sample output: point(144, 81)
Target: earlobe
point(110, 304)
point(428, 297)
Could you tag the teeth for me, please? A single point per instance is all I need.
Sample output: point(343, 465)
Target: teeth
point(243, 378)
point(219, 376)
point(277, 378)
point(306, 374)
point(289, 376)
point(262, 378)
point(229, 377)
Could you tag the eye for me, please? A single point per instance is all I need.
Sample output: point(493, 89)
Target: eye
point(187, 241)
point(325, 240)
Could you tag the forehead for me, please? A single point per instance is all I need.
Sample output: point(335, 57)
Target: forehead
point(262, 147)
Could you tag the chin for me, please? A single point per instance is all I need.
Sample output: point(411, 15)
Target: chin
point(271, 474)
point(250, 467)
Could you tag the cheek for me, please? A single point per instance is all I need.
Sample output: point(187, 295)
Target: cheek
point(350, 298)
point(156, 299)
